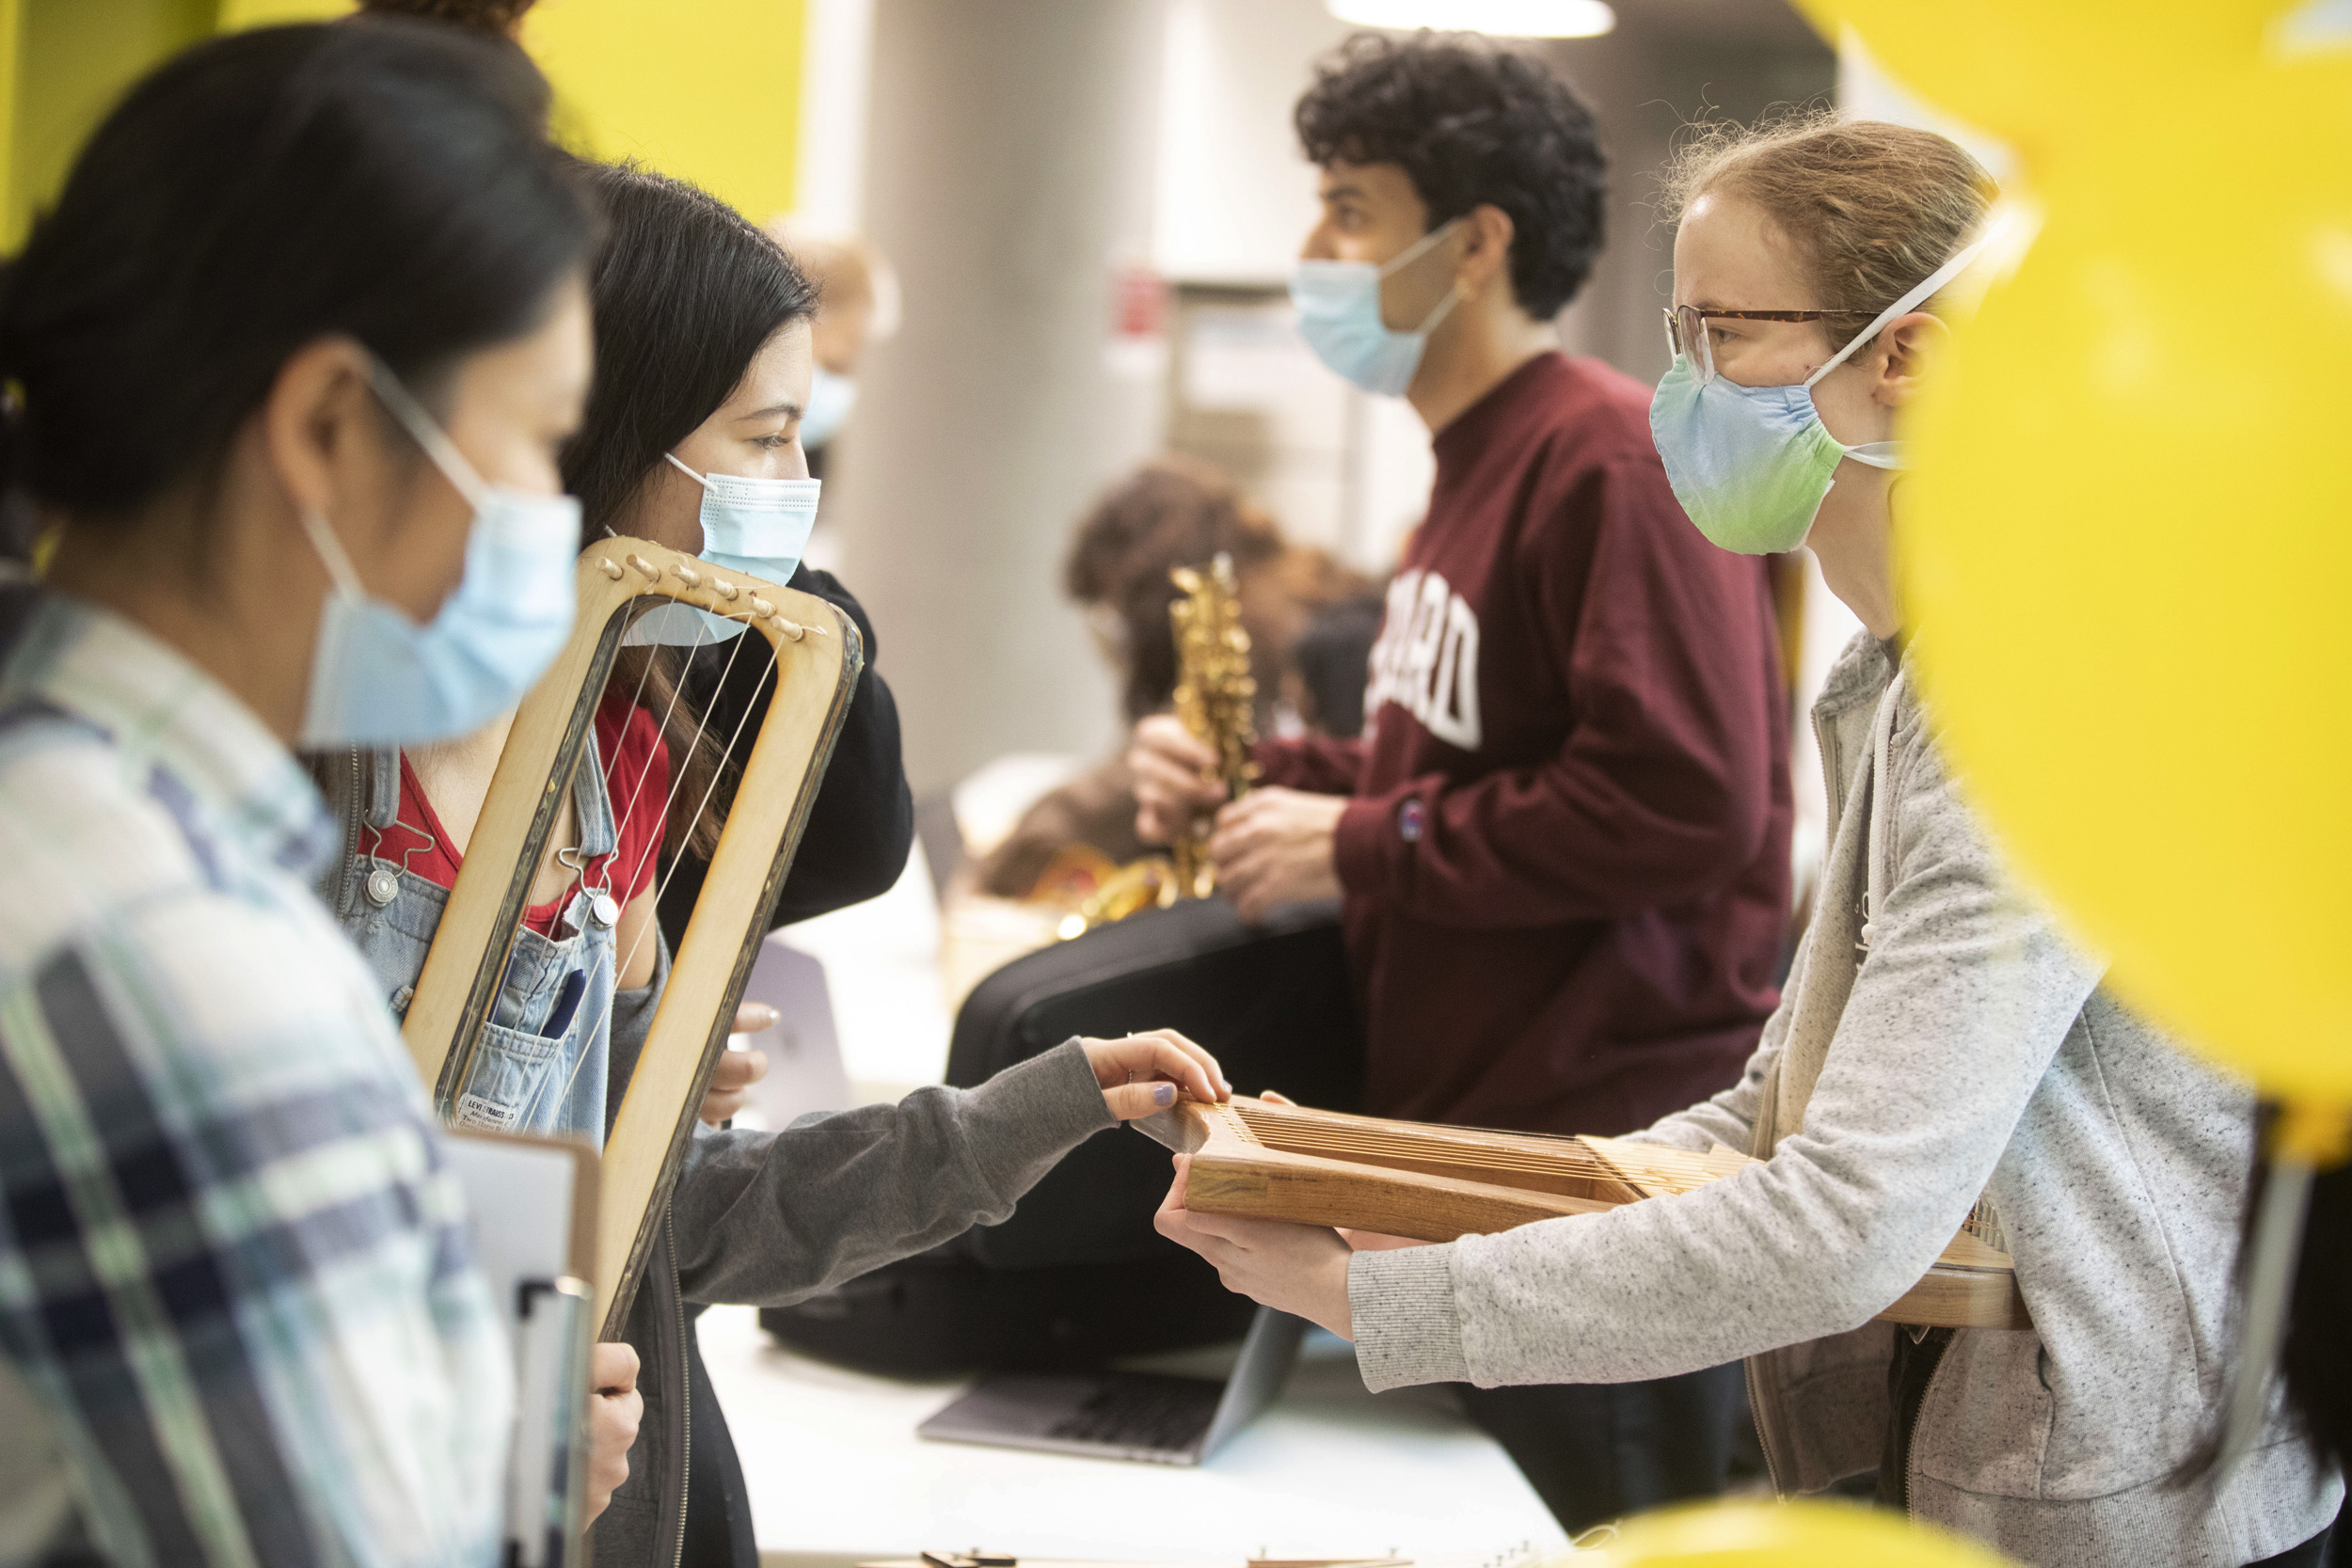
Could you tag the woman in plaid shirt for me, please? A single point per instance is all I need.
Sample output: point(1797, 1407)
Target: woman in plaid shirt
point(309, 315)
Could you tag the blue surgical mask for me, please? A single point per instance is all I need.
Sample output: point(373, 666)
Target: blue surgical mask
point(830, 399)
point(1752, 465)
point(1338, 314)
point(757, 526)
point(377, 679)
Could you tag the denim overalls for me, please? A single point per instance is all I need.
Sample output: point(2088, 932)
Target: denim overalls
point(541, 1065)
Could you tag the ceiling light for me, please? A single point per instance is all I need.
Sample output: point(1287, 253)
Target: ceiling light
point(1520, 18)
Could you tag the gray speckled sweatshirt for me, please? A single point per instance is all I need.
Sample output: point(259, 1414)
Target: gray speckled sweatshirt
point(1970, 1049)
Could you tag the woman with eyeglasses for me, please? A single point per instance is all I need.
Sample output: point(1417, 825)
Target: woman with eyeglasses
point(1940, 1039)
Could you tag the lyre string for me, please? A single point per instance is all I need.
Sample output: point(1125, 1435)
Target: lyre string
point(1340, 1118)
point(1442, 1154)
point(604, 777)
point(662, 727)
point(1657, 1165)
point(636, 699)
point(1488, 1158)
point(677, 782)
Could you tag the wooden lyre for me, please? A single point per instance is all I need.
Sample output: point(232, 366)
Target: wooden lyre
point(1436, 1183)
point(817, 655)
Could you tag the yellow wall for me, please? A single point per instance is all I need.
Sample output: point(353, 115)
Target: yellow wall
point(261, 13)
point(11, 25)
point(706, 89)
point(71, 60)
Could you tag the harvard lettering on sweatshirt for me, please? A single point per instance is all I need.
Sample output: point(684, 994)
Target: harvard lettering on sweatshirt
point(1566, 867)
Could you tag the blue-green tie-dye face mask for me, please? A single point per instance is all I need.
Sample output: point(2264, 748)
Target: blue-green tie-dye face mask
point(1751, 465)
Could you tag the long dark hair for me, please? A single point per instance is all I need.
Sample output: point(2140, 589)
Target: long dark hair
point(388, 180)
point(686, 292)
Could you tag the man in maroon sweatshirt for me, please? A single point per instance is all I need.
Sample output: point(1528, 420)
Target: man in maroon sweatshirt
point(1561, 842)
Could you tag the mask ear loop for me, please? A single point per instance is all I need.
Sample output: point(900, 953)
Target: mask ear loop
point(338, 560)
point(1925, 289)
point(1414, 252)
point(427, 433)
point(1429, 322)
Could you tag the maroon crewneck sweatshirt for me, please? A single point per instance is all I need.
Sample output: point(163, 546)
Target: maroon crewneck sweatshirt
point(1567, 863)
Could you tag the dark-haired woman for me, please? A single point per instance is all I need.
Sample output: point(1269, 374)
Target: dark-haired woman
point(293, 355)
point(703, 328)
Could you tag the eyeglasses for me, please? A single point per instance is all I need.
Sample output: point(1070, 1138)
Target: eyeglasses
point(1686, 330)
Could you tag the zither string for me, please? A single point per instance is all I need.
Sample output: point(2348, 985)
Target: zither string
point(604, 780)
point(677, 783)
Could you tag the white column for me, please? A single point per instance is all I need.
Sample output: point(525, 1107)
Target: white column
point(1010, 171)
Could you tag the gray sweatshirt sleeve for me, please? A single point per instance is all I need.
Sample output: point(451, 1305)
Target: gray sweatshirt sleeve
point(766, 1218)
point(1728, 1117)
point(1966, 996)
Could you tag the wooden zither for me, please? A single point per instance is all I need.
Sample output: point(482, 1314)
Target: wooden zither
point(1436, 1183)
point(817, 654)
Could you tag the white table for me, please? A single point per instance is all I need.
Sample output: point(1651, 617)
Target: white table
point(838, 1475)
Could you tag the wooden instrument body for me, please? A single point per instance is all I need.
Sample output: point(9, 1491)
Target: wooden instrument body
point(817, 656)
point(1436, 1183)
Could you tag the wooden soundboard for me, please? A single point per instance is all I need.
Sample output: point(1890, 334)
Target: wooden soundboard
point(1433, 1183)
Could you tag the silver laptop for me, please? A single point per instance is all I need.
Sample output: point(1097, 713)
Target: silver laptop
point(1140, 1416)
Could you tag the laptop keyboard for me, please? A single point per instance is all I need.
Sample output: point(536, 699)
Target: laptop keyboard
point(1139, 1410)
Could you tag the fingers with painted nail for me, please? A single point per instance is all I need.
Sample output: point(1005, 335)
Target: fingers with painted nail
point(1143, 1074)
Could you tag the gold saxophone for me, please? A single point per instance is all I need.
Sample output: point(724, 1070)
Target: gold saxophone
point(1217, 700)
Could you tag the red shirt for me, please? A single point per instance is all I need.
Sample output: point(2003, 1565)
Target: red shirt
point(639, 779)
point(1566, 864)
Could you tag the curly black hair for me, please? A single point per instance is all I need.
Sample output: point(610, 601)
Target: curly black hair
point(1471, 124)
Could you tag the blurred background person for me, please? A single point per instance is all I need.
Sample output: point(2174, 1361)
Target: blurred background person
point(1323, 683)
point(857, 309)
point(1180, 511)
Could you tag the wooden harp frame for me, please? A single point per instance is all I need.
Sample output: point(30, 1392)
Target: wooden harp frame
point(817, 655)
point(1436, 1183)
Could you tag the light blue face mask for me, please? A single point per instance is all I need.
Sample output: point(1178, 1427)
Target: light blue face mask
point(1752, 465)
point(377, 679)
point(830, 399)
point(1338, 314)
point(759, 526)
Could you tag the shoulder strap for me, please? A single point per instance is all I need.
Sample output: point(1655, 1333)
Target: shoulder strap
point(1882, 806)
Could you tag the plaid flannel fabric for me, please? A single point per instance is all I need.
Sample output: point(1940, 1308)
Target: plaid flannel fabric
point(235, 1292)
